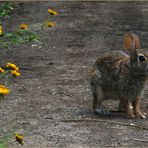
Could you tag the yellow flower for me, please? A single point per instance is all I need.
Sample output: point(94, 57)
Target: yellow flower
point(1, 30)
point(19, 138)
point(23, 26)
point(50, 24)
point(52, 12)
point(15, 73)
point(4, 90)
point(12, 66)
point(1, 70)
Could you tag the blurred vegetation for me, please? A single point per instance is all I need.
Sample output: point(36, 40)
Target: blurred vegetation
point(5, 139)
point(5, 9)
point(17, 37)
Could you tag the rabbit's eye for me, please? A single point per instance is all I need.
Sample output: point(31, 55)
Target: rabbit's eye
point(141, 58)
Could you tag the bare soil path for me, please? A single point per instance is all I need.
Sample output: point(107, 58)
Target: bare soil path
point(55, 83)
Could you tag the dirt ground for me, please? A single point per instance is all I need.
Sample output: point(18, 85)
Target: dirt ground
point(55, 83)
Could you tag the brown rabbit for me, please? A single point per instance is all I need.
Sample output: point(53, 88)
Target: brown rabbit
point(122, 77)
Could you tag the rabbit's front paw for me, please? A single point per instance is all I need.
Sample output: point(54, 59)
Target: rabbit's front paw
point(101, 111)
point(130, 114)
point(128, 108)
point(136, 109)
point(139, 114)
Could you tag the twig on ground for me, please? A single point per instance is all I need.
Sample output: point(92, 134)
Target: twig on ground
point(101, 120)
point(140, 140)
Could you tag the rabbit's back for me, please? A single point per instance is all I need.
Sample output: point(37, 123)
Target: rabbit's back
point(107, 68)
point(110, 63)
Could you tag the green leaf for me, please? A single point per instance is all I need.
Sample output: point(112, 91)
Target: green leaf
point(2, 145)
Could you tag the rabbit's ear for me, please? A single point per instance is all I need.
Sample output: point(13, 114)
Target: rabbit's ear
point(131, 42)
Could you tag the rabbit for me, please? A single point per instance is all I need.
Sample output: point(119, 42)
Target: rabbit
point(120, 76)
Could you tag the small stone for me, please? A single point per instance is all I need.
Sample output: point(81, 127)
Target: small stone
point(48, 117)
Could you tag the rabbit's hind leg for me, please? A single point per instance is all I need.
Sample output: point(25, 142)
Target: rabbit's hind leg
point(98, 98)
point(136, 109)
